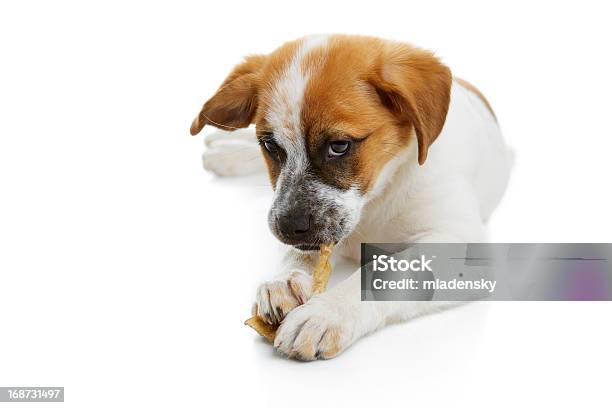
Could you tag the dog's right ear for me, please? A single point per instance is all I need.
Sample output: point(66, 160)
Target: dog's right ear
point(235, 103)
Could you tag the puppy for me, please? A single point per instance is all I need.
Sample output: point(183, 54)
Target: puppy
point(346, 126)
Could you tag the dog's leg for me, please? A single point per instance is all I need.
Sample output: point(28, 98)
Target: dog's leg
point(232, 154)
point(291, 288)
point(332, 321)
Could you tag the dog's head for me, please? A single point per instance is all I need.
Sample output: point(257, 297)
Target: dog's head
point(331, 112)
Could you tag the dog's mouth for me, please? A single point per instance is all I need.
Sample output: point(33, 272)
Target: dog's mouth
point(307, 247)
point(325, 231)
point(311, 247)
point(305, 224)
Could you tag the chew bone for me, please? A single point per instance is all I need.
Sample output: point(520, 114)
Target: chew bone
point(320, 277)
point(264, 329)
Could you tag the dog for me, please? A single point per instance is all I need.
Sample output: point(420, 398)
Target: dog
point(346, 127)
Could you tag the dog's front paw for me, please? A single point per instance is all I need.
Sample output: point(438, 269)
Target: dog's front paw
point(319, 329)
point(278, 297)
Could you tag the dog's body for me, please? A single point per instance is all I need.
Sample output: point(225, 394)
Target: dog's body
point(421, 192)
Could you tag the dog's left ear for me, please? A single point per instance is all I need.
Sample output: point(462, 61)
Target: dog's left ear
point(416, 87)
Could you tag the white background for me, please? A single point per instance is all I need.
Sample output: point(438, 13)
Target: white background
point(126, 270)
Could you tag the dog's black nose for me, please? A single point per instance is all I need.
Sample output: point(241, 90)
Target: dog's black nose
point(295, 224)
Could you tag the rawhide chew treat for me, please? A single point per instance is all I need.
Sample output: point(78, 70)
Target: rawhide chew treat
point(322, 271)
point(264, 329)
point(320, 277)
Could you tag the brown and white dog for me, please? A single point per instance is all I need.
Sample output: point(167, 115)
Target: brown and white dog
point(347, 126)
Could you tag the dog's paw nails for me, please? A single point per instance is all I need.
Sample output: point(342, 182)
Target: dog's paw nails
point(313, 331)
point(275, 299)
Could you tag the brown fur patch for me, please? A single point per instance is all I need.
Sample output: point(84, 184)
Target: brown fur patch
point(375, 91)
point(235, 102)
point(364, 89)
point(476, 92)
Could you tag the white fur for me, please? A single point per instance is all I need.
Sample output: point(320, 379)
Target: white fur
point(349, 200)
point(284, 113)
point(445, 200)
point(448, 199)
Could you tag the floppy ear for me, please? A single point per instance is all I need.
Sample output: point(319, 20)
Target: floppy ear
point(416, 87)
point(235, 103)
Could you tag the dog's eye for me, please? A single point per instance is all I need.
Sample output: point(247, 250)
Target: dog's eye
point(338, 148)
point(270, 146)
